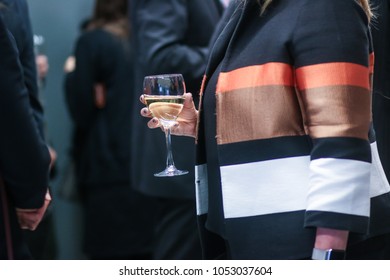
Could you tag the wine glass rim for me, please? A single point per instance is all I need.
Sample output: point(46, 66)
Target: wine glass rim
point(164, 75)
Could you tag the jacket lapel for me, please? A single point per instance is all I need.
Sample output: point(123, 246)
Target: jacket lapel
point(222, 36)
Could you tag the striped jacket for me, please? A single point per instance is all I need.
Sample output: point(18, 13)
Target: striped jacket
point(293, 114)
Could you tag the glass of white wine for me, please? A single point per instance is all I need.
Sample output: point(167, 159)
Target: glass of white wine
point(164, 97)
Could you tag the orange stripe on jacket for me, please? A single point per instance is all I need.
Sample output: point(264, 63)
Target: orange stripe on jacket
point(253, 76)
point(332, 74)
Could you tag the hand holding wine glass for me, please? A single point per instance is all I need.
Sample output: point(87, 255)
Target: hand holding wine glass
point(185, 123)
point(164, 96)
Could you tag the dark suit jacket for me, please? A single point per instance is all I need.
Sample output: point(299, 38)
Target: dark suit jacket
point(170, 36)
point(381, 97)
point(24, 158)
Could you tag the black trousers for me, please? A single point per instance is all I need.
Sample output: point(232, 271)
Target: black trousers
point(176, 233)
point(374, 248)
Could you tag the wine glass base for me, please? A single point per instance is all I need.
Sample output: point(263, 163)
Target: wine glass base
point(170, 172)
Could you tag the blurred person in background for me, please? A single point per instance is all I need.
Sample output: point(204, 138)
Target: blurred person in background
point(68, 188)
point(170, 36)
point(99, 94)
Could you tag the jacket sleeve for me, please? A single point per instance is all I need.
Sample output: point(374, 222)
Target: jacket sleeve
point(17, 20)
point(331, 54)
point(24, 157)
point(161, 33)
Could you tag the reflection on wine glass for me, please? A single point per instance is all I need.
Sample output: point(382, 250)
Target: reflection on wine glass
point(164, 98)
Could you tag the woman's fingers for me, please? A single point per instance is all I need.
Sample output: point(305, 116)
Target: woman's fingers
point(188, 101)
point(145, 112)
point(153, 123)
point(188, 117)
point(142, 99)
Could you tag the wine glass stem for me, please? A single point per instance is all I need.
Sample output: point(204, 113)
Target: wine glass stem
point(170, 162)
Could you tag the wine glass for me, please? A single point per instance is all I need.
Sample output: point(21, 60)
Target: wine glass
point(164, 97)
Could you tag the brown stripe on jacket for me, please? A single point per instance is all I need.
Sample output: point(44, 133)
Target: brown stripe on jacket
point(258, 113)
point(337, 111)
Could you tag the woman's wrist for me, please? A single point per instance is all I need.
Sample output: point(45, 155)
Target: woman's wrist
point(331, 239)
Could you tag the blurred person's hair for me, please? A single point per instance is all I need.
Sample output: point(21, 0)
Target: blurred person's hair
point(84, 25)
point(111, 15)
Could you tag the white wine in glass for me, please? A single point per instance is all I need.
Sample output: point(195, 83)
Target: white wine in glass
point(164, 97)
